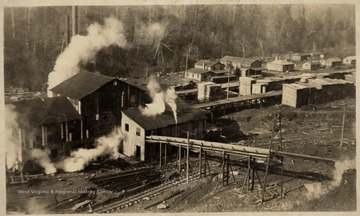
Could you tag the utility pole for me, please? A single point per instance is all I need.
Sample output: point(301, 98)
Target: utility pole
point(228, 88)
point(342, 128)
point(186, 63)
point(187, 156)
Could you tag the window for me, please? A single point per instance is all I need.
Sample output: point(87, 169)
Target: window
point(115, 83)
point(127, 127)
point(137, 131)
point(192, 75)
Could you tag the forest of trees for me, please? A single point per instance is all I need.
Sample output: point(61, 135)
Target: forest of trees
point(35, 36)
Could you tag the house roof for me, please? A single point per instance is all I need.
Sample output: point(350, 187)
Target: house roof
point(184, 114)
point(219, 71)
point(350, 57)
point(197, 71)
point(235, 59)
point(281, 62)
point(333, 60)
point(44, 111)
point(207, 63)
point(81, 84)
point(301, 54)
point(313, 62)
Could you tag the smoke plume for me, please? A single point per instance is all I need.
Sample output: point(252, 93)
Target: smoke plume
point(11, 137)
point(160, 97)
point(150, 34)
point(42, 158)
point(34, 206)
point(316, 190)
point(105, 145)
point(82, 49)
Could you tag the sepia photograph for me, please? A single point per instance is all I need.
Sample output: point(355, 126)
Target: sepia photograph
point(179, 107)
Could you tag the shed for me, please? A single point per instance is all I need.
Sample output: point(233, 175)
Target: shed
point(136, 127)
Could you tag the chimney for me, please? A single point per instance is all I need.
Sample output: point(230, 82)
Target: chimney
point(203, 65)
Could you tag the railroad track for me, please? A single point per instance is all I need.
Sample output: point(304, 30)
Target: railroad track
point(142, 196)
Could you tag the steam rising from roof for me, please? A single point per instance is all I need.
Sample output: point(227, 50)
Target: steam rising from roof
point(83, 49)
point(160, 97)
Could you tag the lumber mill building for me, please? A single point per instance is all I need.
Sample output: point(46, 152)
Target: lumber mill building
point(50, 123)
point(99, 100)
point(136, 127)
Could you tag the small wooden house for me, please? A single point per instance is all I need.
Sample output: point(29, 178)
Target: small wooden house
point(209, 65)
point(238, 62)
point(333, 62)
point(197, 74)
point(311, 65)
point(300, 56)
point(280, 66)
point(350, 60)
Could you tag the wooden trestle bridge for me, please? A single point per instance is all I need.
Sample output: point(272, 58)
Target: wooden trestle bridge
point(251, 156)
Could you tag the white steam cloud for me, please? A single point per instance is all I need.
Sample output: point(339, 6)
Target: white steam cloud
point(82, 49)
point(316, 190)
point(150, 34)
point(160, 98)
point(42, 158)
point(34, 206)
point(79, 159)
point(12, 137)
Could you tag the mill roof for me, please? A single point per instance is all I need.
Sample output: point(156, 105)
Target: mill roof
point(81, 84)
point(36, 112)
point(184, 114)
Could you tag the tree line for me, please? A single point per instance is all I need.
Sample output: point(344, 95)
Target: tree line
point(35, 36)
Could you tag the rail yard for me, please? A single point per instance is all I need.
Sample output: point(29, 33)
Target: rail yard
point(121, 186)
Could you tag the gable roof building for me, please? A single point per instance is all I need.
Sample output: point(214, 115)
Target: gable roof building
point(99, 99)
point(239, 62)
point(136, 126)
